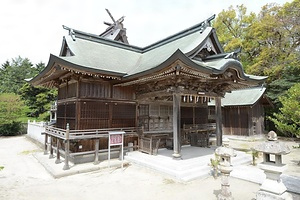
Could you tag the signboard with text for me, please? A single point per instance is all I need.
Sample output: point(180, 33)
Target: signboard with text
point(115, 138)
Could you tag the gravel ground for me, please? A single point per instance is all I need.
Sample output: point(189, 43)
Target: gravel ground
point(23, 177)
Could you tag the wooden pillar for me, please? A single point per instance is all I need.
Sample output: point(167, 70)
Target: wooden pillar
point(51, 148)
point(46, 144)
point(218, 121)
point(57, 152)
point(67, 146)
point(96, 161)
point(176, 125)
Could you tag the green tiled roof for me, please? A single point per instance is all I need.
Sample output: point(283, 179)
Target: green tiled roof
point(123, 59)
point(95, 54)
point(244, 97)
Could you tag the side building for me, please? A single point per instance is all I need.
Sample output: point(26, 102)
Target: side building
point(243, 111)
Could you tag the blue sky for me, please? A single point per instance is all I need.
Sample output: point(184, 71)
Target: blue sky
point(33, 28)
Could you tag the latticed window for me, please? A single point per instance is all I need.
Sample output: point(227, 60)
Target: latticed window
point(144, 110)
point(94, 115)
point(123, 115)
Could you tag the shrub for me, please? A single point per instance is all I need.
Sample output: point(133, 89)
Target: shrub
point(11, 129)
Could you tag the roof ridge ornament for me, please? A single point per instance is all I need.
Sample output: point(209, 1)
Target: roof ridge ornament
point(71, 32)
point(233, 54)
point(115, 30)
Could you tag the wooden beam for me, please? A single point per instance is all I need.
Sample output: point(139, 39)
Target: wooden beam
point(160, 93)
point(167, 92)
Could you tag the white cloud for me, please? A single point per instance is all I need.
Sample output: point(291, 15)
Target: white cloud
point(33, 28)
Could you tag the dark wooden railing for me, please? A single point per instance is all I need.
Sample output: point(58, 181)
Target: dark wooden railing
point(86, 134)
point(68, 135)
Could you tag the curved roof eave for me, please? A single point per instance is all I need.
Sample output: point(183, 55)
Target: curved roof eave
point(59, 60)
point(45, 70)
point(179, 55)
point(235, 64)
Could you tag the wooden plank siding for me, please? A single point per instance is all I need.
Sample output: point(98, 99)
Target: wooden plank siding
point(87, 104)
point(94, 104)
point(235, 120)
point(243, 120)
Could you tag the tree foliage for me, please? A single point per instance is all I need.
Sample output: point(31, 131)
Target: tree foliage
point(11, 108)
point(270, 41)
point(288, 119)
point(38, 99)
point(13, 76)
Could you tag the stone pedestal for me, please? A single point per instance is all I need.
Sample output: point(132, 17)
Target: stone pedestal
point(263, 195)
point(273, 188)
point(225, 186)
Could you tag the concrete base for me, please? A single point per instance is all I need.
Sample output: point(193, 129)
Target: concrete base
point(273, 186)
point(194, 162)
point(263, 195)
point(79, 159)
point(176, 156)
point(57, 171)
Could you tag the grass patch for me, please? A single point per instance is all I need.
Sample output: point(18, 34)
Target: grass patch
point(1, 168)
point(296, 147)
point(26, 152)
point(168, 181)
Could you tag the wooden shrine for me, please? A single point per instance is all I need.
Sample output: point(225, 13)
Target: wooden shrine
point(106, 84)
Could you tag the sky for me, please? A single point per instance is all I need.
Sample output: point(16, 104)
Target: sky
point(33, 28)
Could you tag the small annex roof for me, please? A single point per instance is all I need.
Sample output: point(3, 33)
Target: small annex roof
point(243, 97)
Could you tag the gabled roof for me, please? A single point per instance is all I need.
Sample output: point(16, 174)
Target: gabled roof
point(98, 53)
point(95, 54)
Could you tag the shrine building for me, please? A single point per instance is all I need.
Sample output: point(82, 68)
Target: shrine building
point(105, 84)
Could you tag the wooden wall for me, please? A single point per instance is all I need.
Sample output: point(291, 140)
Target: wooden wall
point(156, 116)
point(89, 104)
point(243, 120)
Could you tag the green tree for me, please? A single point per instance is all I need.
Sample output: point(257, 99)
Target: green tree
point(277, 41)
point(270, 41)
point(287, 121)
point(232, 27)
point(11, 109)
point(38, 99)
point(290, 76)
point(14, 74)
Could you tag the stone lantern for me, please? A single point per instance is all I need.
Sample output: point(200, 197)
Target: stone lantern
point(273, 187)
point(225, 153)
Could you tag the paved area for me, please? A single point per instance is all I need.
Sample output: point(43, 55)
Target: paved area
point(23, 177)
